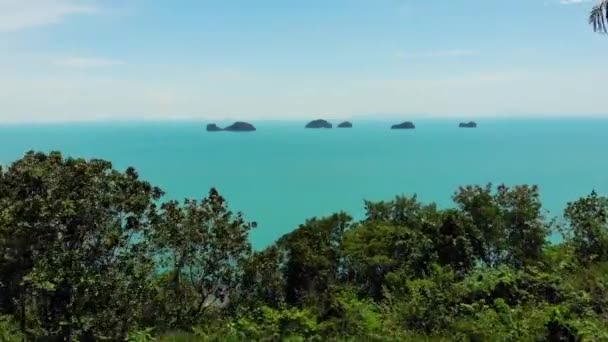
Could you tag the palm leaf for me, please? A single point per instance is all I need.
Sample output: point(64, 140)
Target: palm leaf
point(599, 17)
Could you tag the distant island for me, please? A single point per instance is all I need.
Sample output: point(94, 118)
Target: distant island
point(470, 124)
point(319, 124)
point(213, 128)
point(345, 124)
point(238, 126)
point(404, 125)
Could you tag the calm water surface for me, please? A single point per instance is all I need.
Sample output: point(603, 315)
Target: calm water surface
point(283, 174)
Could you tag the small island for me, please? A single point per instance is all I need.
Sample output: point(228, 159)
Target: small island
point(345, 124)
point(404, 125)
point(319, 124)
point(213, 128)
point(470, 124)
point(240, 126)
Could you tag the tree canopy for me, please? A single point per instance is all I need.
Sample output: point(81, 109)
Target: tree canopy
point(89, 253)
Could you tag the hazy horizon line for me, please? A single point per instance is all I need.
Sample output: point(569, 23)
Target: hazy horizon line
point(364, 118)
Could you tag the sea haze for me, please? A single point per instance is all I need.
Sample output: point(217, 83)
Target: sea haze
point(282, 173)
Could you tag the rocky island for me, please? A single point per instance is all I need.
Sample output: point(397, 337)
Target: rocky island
point(404, 125)
point(318, 124)
point(240, 126)
point(470, 124)
point(213, 128)
point(345, 124)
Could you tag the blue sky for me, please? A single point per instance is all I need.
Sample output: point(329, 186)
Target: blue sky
point(76, 60)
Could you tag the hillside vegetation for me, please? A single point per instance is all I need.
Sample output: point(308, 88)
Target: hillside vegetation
point(88, 253)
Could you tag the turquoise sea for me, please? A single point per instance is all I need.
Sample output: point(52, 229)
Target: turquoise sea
point(283, 173)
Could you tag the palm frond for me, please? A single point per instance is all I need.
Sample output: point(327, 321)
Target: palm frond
point(599, 17)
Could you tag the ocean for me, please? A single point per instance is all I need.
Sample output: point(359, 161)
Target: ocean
point(283, 174)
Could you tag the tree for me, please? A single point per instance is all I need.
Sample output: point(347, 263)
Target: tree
point(422, 304)
point(312, 259)
point(404, 212)
point(599, 17)
point(374, 249)
point(525, 224)
point(203, 247)
point(457, 242)
point(588, 218)
point(508, 224)
point(263, 282)
point(86, 254)
point(73, 261)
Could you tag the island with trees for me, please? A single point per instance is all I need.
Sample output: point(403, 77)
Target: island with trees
point(213, 128)
point(345, 124)
point(470, 124)
point(320, 123)
point(238, 126)
point(404, 125)
point(89, 253)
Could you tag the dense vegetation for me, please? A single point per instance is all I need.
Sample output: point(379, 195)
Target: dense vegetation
point(89, 253)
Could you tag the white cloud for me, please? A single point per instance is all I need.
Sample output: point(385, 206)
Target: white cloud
point(16, 15)
point(437, 54)
point(79, 62)
point(570, 2)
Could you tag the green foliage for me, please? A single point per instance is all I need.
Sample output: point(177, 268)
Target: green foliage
point(403, 211)
point(182, 337)
point(508, 225)
point(421, 304)
point(72, 263)
point(90, 253)
point(457, 241)
point(263, 281)
point(515, 287)
point(353, 317)
point(141, 335)
point(589, 288)
point(313, 255)
point(588, 218)
point(373, 250)
point(501, 322)
point(9, 331)
point(284, 323)
point(204, 247)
